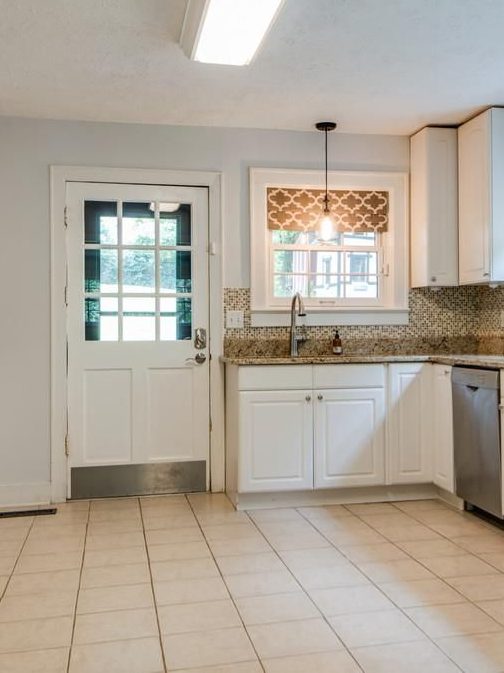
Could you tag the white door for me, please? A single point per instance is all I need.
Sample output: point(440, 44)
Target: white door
point(276, 440)
point(137, 319)
point(408, 419)
point(349, 437)
point(443, 428)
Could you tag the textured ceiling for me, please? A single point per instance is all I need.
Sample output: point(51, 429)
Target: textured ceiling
point(375, 66)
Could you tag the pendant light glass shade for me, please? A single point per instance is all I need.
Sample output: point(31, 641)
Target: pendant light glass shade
point(327, 228)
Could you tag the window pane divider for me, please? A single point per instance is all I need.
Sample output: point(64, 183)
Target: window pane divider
point(157, 271)
point(138, 246)
point(119, 271)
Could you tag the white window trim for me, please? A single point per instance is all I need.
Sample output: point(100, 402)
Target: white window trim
point(394, 307)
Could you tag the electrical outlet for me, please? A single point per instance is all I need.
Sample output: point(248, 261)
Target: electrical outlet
point(234, 319)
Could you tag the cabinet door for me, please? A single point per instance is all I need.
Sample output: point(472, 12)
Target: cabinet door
point(349, 437)
point(442, 428)
point(434, 223)
point(276, 441)
point(474, 199)
point(409, 454)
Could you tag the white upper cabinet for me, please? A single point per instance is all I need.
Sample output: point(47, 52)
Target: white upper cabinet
point(434, 226)
point(481, 198)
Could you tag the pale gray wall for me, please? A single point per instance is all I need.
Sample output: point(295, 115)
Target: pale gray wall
point(27, 149)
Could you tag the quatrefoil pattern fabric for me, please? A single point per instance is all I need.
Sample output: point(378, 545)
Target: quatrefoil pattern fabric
point(298, 209)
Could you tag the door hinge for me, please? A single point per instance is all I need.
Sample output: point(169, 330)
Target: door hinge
point(67, 446)
point(210, 425)
point(65, 216)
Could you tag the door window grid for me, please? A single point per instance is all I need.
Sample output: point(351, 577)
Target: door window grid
point(168, 304)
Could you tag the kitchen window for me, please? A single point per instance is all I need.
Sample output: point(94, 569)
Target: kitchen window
point(347, 269)
point(360, 276)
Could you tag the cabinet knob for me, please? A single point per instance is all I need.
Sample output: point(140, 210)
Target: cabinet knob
point(433, 279)
point(320, 397)
point(486, 274)
point(308, 398)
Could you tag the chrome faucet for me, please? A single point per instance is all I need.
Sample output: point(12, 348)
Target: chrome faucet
point(294, 338)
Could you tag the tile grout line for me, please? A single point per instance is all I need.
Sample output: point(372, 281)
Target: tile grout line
point(231, 598)
point(78, 589)
point(2, 594)
point(152, 588)
point(464, 552)
point(305, 592)
point(432, 640)
point(382, 592)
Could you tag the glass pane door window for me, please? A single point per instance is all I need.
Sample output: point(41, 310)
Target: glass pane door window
point(137, 271)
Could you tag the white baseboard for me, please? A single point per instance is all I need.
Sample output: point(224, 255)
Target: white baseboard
point(342, 496)
point(12, 495)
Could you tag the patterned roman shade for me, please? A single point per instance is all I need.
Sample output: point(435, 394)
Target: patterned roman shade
point(298, 209)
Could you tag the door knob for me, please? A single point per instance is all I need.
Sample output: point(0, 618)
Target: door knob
point(198, 359)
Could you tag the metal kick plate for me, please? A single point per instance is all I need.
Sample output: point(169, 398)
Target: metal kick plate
point(108, 481)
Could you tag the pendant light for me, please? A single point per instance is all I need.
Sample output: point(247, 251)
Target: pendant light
point(327, 226)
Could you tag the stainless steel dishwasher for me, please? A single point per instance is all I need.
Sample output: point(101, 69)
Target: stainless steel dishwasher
point(476, 434)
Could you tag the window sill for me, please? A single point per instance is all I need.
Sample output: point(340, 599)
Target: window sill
point(343, 316)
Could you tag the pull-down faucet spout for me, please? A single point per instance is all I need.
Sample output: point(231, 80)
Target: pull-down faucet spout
point(294, 338)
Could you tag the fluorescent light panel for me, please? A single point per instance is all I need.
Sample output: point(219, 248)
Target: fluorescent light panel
point(232, 30)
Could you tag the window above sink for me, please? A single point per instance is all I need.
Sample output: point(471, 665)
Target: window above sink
point(360, 276)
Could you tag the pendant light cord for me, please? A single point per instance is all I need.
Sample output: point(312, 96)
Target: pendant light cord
point(326, 191)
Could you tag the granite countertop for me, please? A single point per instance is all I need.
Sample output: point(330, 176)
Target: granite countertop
point(480, 360)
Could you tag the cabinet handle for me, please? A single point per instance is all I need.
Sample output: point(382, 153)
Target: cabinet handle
point(486, 274)
point(433, 279)
point(320, 397)
point(308, 398)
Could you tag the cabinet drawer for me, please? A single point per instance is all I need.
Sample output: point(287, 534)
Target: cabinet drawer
point(348, 376)
point(275, 377)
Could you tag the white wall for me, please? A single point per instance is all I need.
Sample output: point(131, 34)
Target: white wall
point(27, 149)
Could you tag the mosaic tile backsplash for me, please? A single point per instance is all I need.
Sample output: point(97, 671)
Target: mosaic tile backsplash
point(462, 319)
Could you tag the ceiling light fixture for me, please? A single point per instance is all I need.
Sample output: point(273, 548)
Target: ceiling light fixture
point(327, 225)
point(226, 32)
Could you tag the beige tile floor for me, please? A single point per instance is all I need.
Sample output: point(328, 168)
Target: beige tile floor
point(176, 583)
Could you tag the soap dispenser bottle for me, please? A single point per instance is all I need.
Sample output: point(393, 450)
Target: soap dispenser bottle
point(337, 347)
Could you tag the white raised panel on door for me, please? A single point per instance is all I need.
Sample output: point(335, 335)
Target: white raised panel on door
point(349, 437)
point(434, 224)
point(409, 454)
point(474, 199)
point(276, 440)
point(442, 428)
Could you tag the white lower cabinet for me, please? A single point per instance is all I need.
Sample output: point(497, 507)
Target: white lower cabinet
point(442, 428)
point(349, 429)
point(275, 440)
point(409, 445)
point(298, 427)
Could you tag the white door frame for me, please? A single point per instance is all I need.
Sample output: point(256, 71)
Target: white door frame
point(59, 176)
